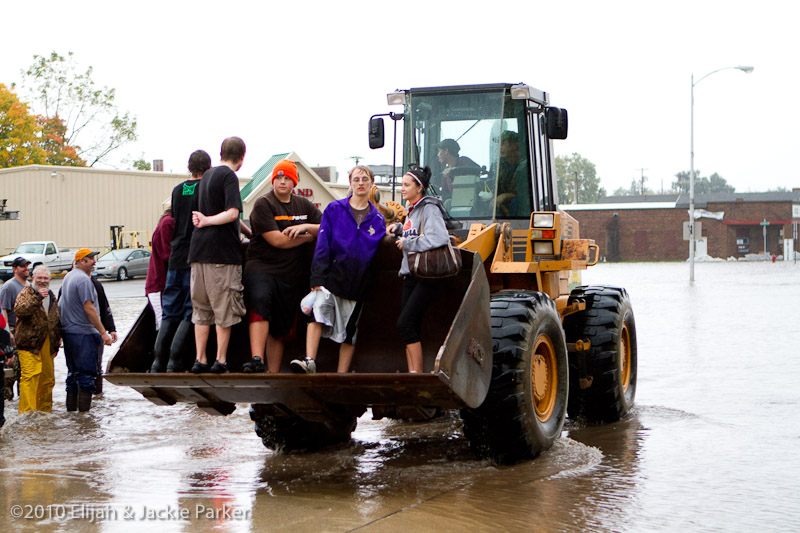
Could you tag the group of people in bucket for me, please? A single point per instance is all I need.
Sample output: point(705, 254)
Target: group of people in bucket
point(205, 285)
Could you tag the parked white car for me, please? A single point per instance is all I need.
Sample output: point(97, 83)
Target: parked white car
point(38, 253)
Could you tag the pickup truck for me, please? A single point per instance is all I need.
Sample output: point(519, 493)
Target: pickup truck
point(38, 253)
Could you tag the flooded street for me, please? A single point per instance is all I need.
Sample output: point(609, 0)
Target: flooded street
point(712, 444)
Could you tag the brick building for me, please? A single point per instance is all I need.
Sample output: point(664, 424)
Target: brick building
point(650, 228)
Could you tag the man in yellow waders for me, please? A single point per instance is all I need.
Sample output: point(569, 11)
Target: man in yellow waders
point(37, 337)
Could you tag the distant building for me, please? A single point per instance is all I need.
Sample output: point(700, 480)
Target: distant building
point(310, 185)
point(326, 174)
point(650, 228)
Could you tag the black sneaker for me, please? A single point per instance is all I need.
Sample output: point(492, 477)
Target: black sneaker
point(200, 368)
point(218, 368)
point(306, 366)
point(253, 365)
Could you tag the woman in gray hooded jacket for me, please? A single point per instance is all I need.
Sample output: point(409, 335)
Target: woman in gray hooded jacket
point(418, 294)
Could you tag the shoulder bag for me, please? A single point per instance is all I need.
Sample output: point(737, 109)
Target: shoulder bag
point(442, 262)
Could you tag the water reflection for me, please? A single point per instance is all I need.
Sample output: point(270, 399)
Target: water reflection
point(711, 445)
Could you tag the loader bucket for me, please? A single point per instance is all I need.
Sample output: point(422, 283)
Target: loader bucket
point(456, 341)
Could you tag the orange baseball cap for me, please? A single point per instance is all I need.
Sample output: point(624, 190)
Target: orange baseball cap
point(84, 252)
point(287, 168)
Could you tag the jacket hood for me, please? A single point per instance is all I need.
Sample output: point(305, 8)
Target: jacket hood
point(434, 200)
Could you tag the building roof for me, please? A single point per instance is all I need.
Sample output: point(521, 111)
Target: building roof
point(608, 206)
point(92, 170)
point(263, 173)
point(638, 199)
point(665, 201)
point(701, 200)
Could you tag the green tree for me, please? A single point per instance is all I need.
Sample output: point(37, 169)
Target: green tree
point(702, 185)
point(142, 164)
point(570, 167)
point(89, 113)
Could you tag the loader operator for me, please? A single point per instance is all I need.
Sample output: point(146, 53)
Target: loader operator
point(511, 172)
point(447, 151)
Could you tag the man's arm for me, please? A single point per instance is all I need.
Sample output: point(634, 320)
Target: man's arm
point(94, 318)
point(245, 229)
point(106, 318)
point(295, 231)
point(225, 217)
point(5, 315)
point(283, 241)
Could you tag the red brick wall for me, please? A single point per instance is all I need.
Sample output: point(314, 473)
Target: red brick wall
point(644, 234)
point(657, 234)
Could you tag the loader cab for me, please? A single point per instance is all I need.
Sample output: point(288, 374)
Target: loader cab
point(488, 147)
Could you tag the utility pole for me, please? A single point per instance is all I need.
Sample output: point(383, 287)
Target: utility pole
point(642, 180)
point(356, 158)
point(575, 201)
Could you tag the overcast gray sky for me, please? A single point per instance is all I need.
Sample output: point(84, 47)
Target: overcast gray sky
point(306, 76)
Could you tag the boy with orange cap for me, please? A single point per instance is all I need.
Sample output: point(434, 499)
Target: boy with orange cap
point(277, 268)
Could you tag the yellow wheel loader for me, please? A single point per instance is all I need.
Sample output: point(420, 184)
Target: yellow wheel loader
point(513, 342)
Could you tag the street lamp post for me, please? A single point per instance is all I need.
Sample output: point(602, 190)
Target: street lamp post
point(745, 69)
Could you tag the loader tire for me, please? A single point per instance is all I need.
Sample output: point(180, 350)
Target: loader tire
point(524, 410)
point(611, 361)
point(295, 434)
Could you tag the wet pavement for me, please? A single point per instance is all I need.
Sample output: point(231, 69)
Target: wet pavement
point(710, 446)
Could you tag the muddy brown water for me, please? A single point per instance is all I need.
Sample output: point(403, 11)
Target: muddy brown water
point(712, 444)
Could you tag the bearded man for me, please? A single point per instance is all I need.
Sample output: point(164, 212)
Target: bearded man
point(38, 336)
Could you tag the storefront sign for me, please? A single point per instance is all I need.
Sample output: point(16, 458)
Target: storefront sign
point(305, 193)
point(795, 211)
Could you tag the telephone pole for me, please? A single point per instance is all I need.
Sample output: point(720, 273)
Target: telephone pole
point(642, 180)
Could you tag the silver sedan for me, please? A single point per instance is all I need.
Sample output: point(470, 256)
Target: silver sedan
point(123, 264)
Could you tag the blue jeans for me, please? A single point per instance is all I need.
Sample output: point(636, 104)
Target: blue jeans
point(80, 351)
point(176, 298)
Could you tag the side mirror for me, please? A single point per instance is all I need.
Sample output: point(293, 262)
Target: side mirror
point(556, 123)
point(376, 132)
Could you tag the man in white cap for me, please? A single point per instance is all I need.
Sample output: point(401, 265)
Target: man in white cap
point(82, 330)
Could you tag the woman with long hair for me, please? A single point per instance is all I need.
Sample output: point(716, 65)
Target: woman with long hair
point(424, 229)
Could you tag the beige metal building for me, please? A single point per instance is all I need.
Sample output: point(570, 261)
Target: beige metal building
point(74, 206)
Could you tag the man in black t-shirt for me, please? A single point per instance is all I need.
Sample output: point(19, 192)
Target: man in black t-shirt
point(277, 268)
point(215, 257)
point(176, 335)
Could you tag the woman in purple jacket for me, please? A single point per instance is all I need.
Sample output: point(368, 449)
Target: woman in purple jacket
point(348, 237)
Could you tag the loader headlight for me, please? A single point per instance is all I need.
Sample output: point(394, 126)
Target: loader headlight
point(520, 92)
point(396, 98)
point(543, 220)
point(543, 248)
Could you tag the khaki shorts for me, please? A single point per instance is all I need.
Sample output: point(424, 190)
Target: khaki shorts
point(217, 294)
